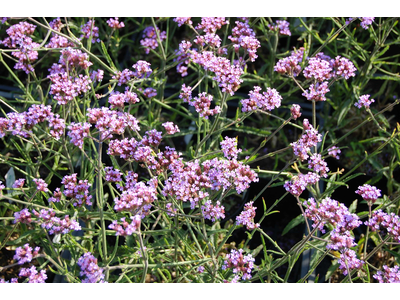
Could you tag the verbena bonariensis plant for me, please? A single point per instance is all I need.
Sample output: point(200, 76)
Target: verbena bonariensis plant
point(131, 146)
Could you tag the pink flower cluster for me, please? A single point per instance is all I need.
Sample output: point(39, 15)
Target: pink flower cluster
point(41, 185)
point(170, 127)
point(24, 254)
point(290, 65)
point(227, 75)
point(89, 30)
point(266, 101)
point(115, 24)
point(47, 219)
point(247, 216)
point(309, 139)
point(137, 198)
point(110, 122)
point(317, 91)
point(390, 222)
point(18, 38)
point(213, 212)
point(240, 264)
point(389, 275)
point(33, 275)
point(19, 183)
point(89, 268)
point(149, 40)
point(318, 165)
point(295, 111)
point(22, 123)
point(211, 24)
point(369, 193)
point(77, 132)
point(229, 148)
point(58, 41)
point(332, 212)
point(202, 105)
point(78, 191)
point(192, 181)
point(282, 26)
point(183, 20)
point(299, 183)
point(183, 58)
point(364, 101)
point(113, 175)
point(126, 228)
point(334, 152)
point(244, 37)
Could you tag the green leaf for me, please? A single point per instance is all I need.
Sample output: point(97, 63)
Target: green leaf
point(293, 223)
point(353, 207)
point(108, 58)
point(344, 110)
point(331, 270)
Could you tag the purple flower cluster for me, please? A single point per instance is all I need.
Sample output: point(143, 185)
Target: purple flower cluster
point(24, 254)
point(243, 36)
point(110, 122)
point(266, 101)
point(89, 30)
point(33, 275)
point(18, 38)
point(369, 193)
point(241, 265)
point(366, 21)
point(170, 127)
point(202, 105)
point(19, 183)
point(318, 165)
point(290, 65)
point(227, 75)
point(389, 275)
point(247, 216)
point(41, 185)
point(332, 212)
point(334, 152)
point(183, 58)
point(23, 216)
point(58, 41)
point(318, 69)
point(47, 219)
point(90, 269)
point(364, 101)
point(183, 20)
point(299, 183)
point(77, 132)
point(317, 91)
point(115, 24)
point(282, 26)
point(113, 175)
point(137, 198)
point(126, 228)
point(309, 139)
point(229, 148)
point(77, 191)
point(190, 181)
point(149, 36)
point(213, 212)
point(390, 222)
point(211, 24)
point(22, 123)
point(295, 111)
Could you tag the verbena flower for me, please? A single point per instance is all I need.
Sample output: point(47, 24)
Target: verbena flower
point(364, 101)
point(349, 257)
point(149, 38)
point(282, 26)
point(389, 275)
point(213, 212)
point(23, 216)
point(369, 193)
point(142, 68)
point(113, 175)
point(114, 23)
point(170, 127)
point(46, 218)
point(295, 110)
point(317, 91)
point(229, 148)
point(210, 24)
point(334, 152)
point(318, 165)
point(240, 264)
point(318, 69)
point(126, 229)
point(19, 183)
point(266, 101)
point(24, 254)
point(247, 216)
point(33, 275)
point(78, 191)
point(89, 30)
point(77, 132)
point(183, 20)
point(41, 185)
point(89, 268)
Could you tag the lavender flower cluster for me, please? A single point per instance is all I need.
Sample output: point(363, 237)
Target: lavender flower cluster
point(241, 265)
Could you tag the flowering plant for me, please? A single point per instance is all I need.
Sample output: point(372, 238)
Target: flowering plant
point(158, 166)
